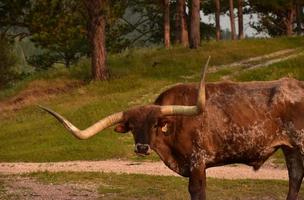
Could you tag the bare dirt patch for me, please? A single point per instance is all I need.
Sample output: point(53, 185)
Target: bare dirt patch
point(29, 189)
point(38, 90)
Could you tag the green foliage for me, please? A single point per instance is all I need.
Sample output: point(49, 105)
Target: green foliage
point(207, 31)
point(145, 20)
point(274, 15)
point(42, 61)
point(58, 27)
point(13, 22)
point(208, 6)
point(8, 61)
point(117, 28)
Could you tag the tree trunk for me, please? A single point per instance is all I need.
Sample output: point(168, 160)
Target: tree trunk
point(240, 19)
point(299, 24)
point(289, 21)
point(232, 24)
point(217, 19)
point(96, 33)
point(166, 18)
point(181, 24)
point(195, 37)
point(67, 63)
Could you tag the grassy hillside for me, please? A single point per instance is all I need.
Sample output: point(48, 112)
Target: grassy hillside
point(138, 76)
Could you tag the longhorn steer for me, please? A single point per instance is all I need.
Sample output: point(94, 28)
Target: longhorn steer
point(238, 123)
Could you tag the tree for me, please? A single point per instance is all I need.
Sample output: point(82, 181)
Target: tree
point(195, 24)
point(277, 17)
point(291, 13)
point(218, 7)
point(217, 19)
point(96, 29)
point(8, 63)
point(58, 28)
point(181, 29)
point(146, 20)
point(166, 21)
point(232, 23)
point(240, 19)
point(12, 18)
point(299, 14)
point(61, 29)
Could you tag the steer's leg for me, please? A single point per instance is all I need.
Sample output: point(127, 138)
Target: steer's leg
point(197, 184)
point(294, 162)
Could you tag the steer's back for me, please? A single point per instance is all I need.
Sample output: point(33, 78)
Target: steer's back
point(244, 122)
point(262, 94)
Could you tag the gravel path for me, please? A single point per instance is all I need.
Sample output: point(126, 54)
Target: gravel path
point(151, 168)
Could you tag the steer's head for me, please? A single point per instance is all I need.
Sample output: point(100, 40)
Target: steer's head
point(144, 121)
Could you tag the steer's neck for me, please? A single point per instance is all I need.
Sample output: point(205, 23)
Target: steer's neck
point(171, 160)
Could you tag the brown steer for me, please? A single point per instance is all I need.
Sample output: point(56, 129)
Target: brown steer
point(193, 127)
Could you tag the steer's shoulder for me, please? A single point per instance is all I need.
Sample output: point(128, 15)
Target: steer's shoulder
point(179, 94)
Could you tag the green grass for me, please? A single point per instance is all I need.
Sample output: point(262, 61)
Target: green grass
point(138, 76)
point(123, 187)
point(31, 134)
point(292, 68)
point(160, 63)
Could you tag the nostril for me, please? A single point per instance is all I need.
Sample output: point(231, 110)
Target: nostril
point(141, 148)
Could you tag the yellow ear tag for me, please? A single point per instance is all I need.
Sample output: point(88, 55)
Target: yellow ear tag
point(164, 128)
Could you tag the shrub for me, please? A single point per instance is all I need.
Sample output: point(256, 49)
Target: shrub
point(8, 61)
point(42, 61)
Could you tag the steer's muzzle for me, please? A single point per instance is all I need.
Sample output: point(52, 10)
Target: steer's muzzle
point(142, 149)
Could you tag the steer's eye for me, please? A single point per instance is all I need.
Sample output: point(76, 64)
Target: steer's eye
point(131, 127)
point(155, 125)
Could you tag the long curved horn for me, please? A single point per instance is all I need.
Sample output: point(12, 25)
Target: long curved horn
point(90, 131)
point(191, 110)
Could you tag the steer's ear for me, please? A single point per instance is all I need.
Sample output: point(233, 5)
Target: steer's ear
point(165, 124)
point(122, 128)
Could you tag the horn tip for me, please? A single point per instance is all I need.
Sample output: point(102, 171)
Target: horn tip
point(42, 107)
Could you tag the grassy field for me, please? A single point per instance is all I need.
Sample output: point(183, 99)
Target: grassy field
point(291, 68)
point(138, 76)
point(112, 186)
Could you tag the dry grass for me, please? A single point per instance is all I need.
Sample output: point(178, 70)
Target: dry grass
point(35, 91)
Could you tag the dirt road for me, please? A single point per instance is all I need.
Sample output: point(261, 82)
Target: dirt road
point(151, 168)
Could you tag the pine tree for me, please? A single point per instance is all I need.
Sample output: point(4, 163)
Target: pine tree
point(232, 23)
point(217, 19)
point(195, 38)
point(97, 11)
point(240, 19)
point(166, 21)
point(181, 28)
